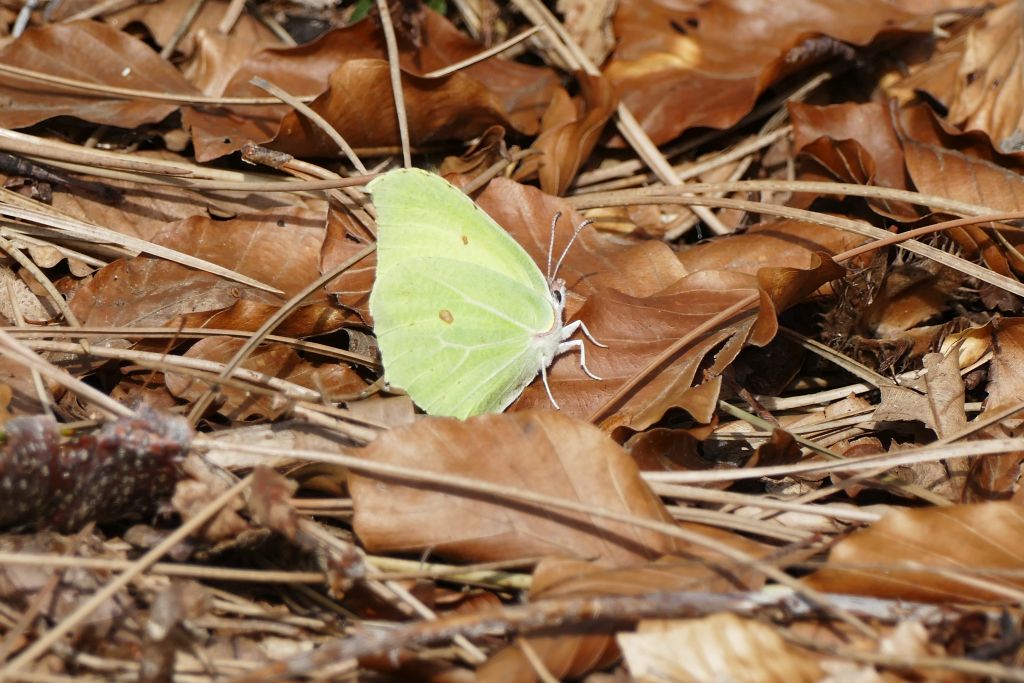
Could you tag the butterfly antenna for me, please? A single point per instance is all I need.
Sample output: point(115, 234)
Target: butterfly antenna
point(566, 250)
point(551, 244)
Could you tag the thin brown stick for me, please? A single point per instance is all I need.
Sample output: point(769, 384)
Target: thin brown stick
point(481, 56)
point(188, 332)
point(184, 24)
point(396, 80)
point(163, 568)
point(307, 111)
point(545, 614)
point(113, 91)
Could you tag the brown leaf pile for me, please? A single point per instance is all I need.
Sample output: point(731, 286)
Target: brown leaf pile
point(801, 462)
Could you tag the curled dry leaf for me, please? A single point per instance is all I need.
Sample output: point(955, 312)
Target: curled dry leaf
point(774, 244)
point(490, 148)
point(943, 554)
point(539, 452)
point(682, 65)
point(716, 648)
point(988, 95)
point(113, 59)
point(852, 143)
point(569, 131)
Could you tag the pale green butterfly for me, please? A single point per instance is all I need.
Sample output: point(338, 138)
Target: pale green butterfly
point(463, 316)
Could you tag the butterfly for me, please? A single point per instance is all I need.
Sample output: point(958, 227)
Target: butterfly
point(463, 316)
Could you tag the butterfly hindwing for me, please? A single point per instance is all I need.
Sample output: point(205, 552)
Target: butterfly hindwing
point(446, 345)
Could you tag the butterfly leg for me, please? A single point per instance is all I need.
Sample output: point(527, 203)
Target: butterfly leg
point(570, 329)
point(574, 345)
point(544, 378)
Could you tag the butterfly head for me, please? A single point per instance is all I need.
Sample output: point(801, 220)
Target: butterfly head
point(558, 293)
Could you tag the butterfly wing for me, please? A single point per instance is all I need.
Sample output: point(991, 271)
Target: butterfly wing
point(459, 338)
point(420, 215)
point(462, 314)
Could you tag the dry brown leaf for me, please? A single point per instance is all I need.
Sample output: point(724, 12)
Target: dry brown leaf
point(1006, 380)
point(144, 211)
point(680, 65)
point(34, 309)
point(541, 452)
point(21, 395)
point(997, 476)
point(358, 104)
point(248, 315)
point(966, 168)
point(280, 248)
point(919, 555)
point(488, 149)
point(20, 585)
point(270, 501)
point(346, 68)
point(938, 403)
point(595, 261)
point(765, 245)
point(589, 24)
point(636, 330)
point(92, 52)
point(717, 648)
point(911, 294)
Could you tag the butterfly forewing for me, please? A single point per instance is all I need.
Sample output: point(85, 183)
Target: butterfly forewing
point(420, 215)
